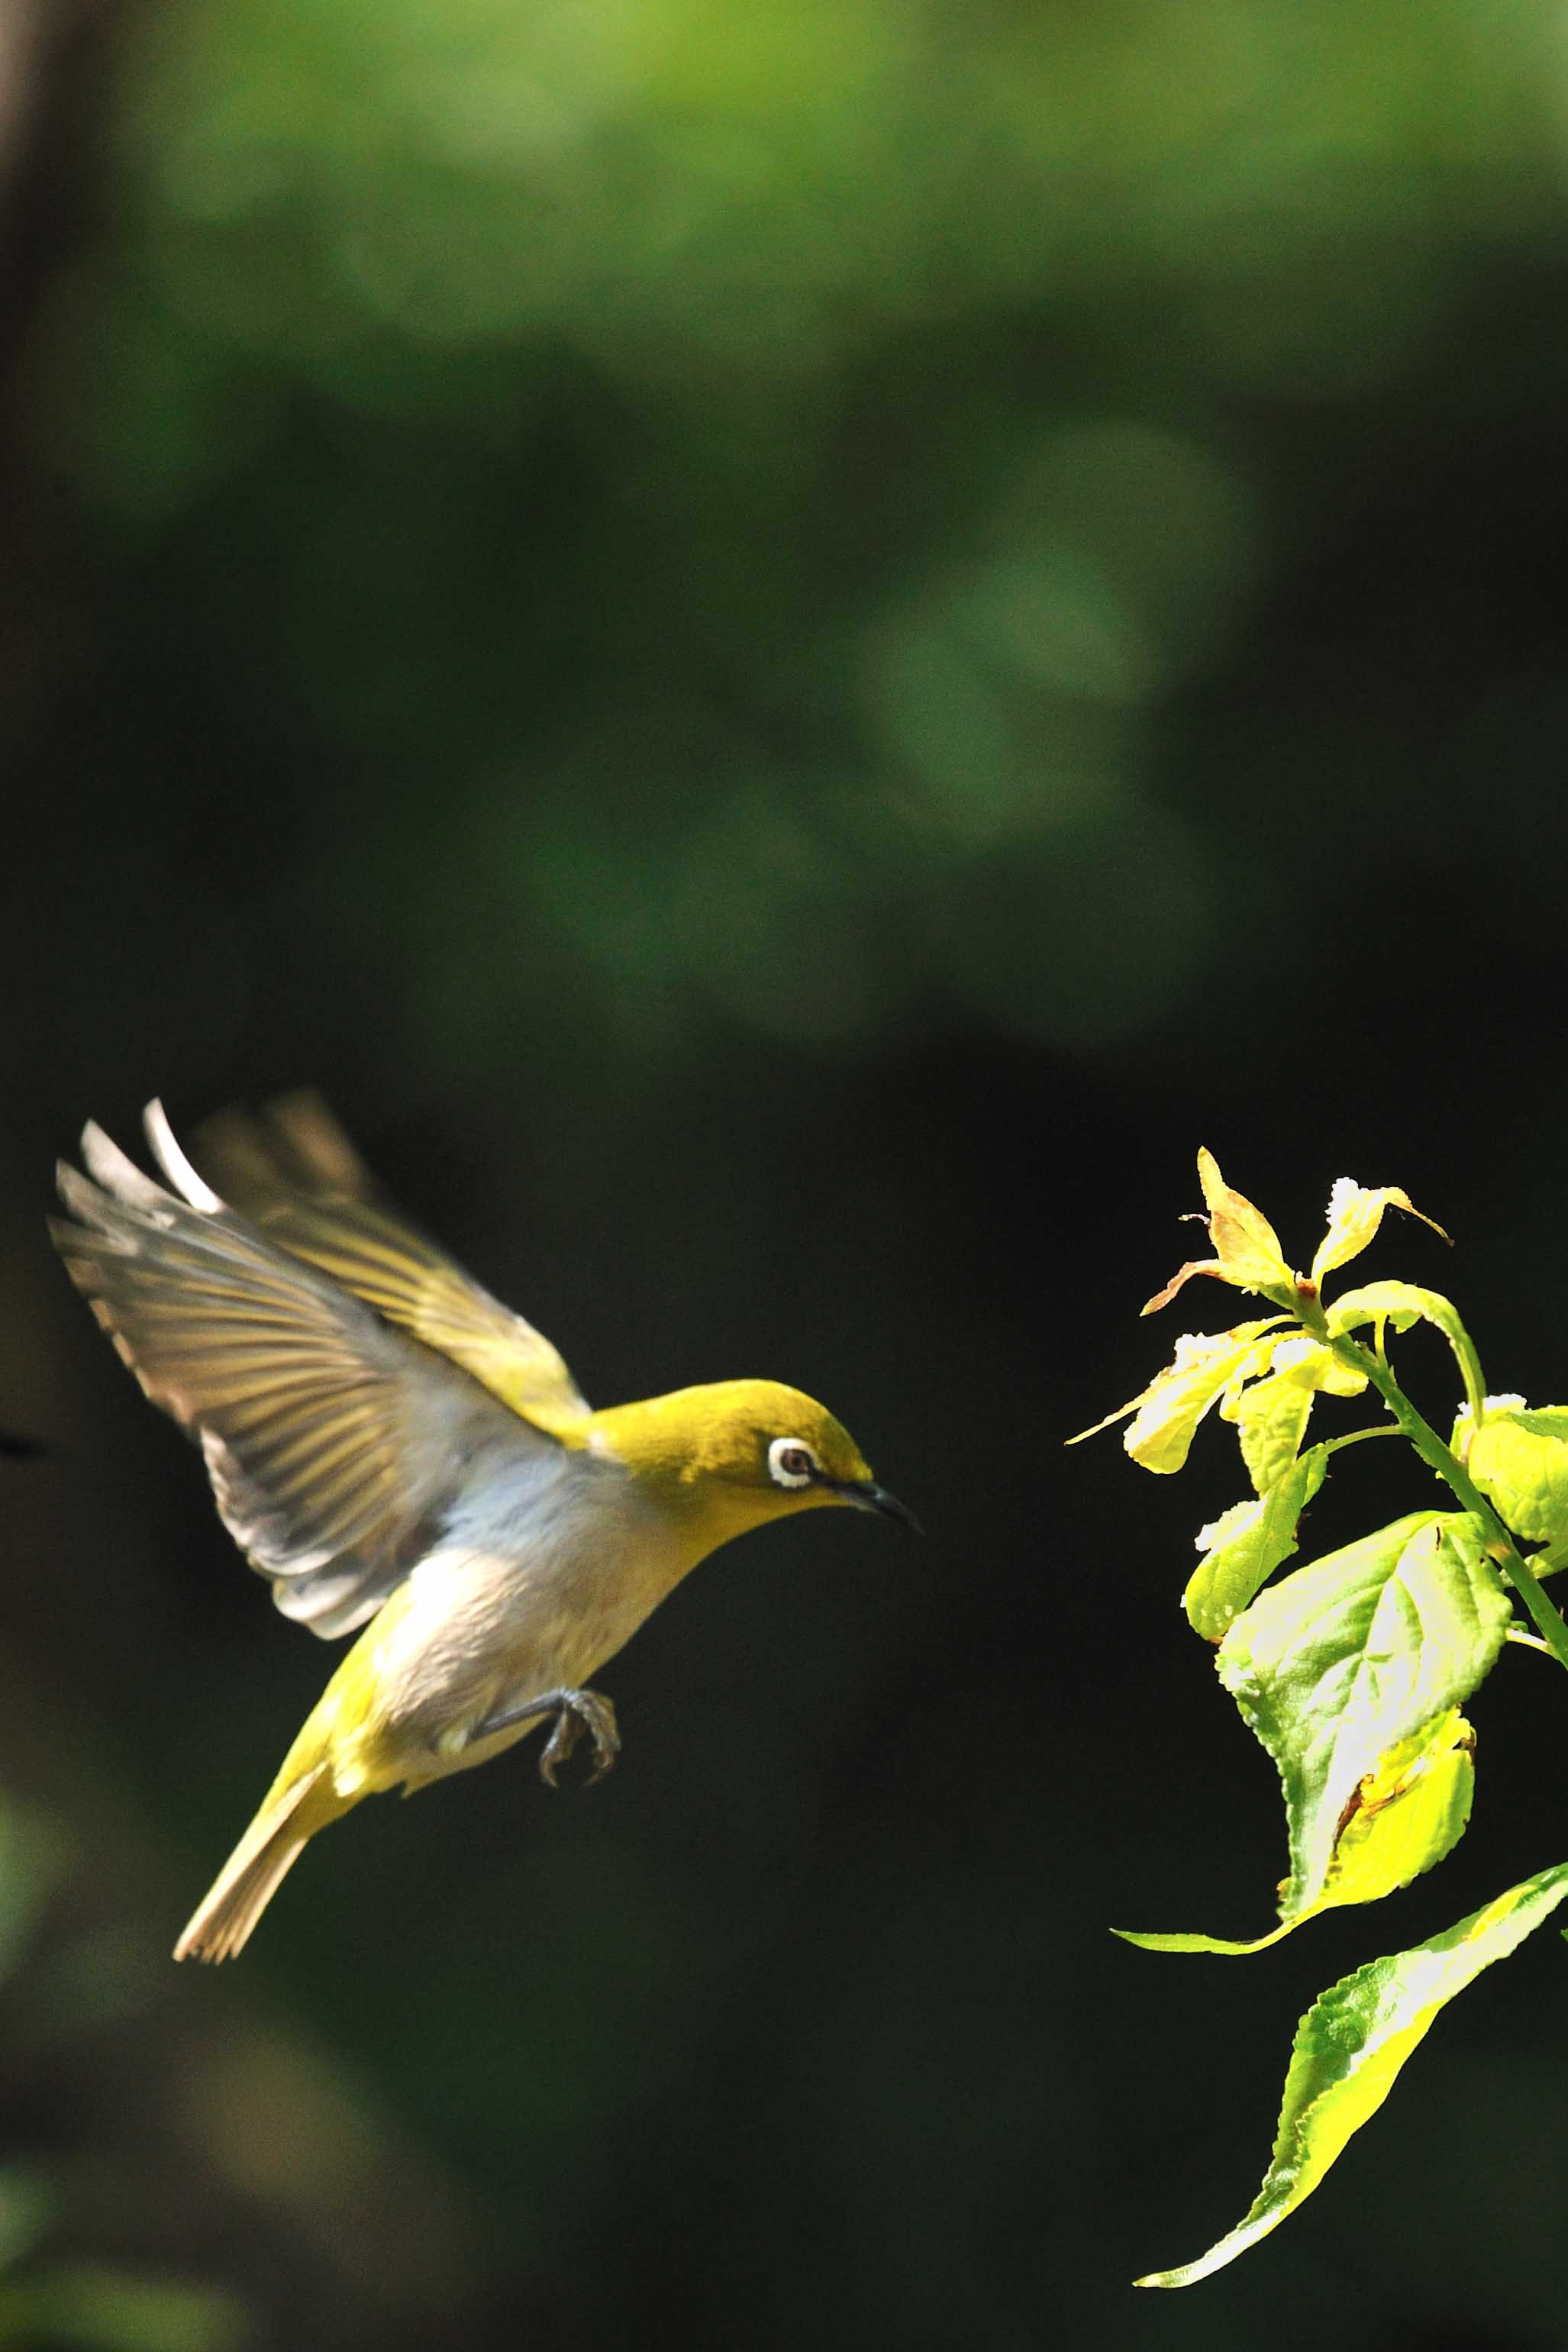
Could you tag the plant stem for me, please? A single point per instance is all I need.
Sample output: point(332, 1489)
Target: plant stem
point(1356, 1436)
point(1500, 1545)
point(1469, 1364)
point(1528, 1640)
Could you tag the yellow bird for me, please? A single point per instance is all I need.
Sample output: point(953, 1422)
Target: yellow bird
point(395, 1449)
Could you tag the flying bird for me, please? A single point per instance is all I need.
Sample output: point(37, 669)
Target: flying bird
point(397, 1451)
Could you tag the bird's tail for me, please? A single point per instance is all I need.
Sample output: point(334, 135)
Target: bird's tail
point(221, 1924)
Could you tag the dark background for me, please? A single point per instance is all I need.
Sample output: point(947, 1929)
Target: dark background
point(790, 649)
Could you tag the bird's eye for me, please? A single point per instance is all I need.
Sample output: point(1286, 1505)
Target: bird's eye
point(790, 1462)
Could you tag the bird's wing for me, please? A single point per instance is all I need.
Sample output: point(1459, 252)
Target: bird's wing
point(294, 1172)
point(333, 1441)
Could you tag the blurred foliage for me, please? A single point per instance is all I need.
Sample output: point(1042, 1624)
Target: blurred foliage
point(773, 471)
point(791, 650)
point(59, 2301)
point(148, 2145)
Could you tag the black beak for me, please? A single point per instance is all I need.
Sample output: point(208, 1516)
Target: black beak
point(868, 1496)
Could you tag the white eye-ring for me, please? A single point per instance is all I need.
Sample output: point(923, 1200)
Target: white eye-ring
point(791, 1463)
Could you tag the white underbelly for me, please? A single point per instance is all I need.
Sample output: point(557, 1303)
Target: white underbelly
point(479, 1635)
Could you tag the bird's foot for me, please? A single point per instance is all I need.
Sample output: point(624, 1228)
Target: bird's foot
point(583, 1710)
point(576, 1711)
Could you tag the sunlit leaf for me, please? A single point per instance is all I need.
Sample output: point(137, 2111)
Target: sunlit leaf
point(1405, 1815)
point(1270, 1417)
point(1402, 1304)
point(1176, 1940)
point(1335, 1664)
point(1354, 1215)
point(1351, 2045)
point(1247, 1545)
point(1301, 1358)
point(1169, 1410)
point(1519, 1459)
point(1245, 1241)
point(1271, 1413)
point(1246, 1248)
point(1183, 1276)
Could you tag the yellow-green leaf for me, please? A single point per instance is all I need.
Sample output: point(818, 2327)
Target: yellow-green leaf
point(1351, 2045)
point(1402, 1304)
point(1151, 1941)
point(1245, 1546)
point(1335, 1664)
point(1354, 1215)
point(1407, 1812)
point(1169, 1410)
point(1519, 1459)
point(1270, 1417)
point(1246, 1248)
point(1271, 1414)
point(1316, 1367)
point(1245, 1244)
point(1405, 1815)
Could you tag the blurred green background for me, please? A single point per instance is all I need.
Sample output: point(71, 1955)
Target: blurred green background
point(790, 649)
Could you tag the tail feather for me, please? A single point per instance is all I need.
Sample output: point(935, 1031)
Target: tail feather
point(221, 1925)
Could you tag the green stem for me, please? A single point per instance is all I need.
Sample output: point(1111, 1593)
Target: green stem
point(1469, 1364)
point(1355, 1437)
point(1500, 1545)
point(1527, 1641)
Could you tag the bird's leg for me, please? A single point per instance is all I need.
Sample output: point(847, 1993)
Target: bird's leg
point(577, 1710)
point(574, 1711)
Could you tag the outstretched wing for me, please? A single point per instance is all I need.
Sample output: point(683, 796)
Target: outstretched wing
point(294, 1172)
point(334, 1442)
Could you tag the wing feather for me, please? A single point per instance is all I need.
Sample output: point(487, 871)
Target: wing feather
point(333, 1441)
point(294, 1172)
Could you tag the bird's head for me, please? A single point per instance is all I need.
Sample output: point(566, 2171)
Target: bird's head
point(734, 1453)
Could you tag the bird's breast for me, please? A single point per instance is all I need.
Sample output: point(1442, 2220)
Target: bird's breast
point(525, 1593)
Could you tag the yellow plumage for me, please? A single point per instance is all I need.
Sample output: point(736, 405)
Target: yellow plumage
point(396, 1451)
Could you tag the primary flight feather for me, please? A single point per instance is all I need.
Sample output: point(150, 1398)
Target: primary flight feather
point(396, 1451)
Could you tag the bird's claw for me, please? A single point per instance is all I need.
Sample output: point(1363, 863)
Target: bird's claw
point(576, 1711)
point(581, 1711)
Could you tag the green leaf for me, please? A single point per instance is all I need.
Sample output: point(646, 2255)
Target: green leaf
point(1402, 1304)
point(1149, 1940)
point(1167, 1412)
point(1350, 2047)
point(1354, 1215)
point(1246, 1243)
point(1271, 1416)
point(1519, 1459)
point(1247, 1545)
point(1335, 1664)
point(1270, 1419)
point(1399, 1303)
point(1405, 1816)
point(1246, 1246)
